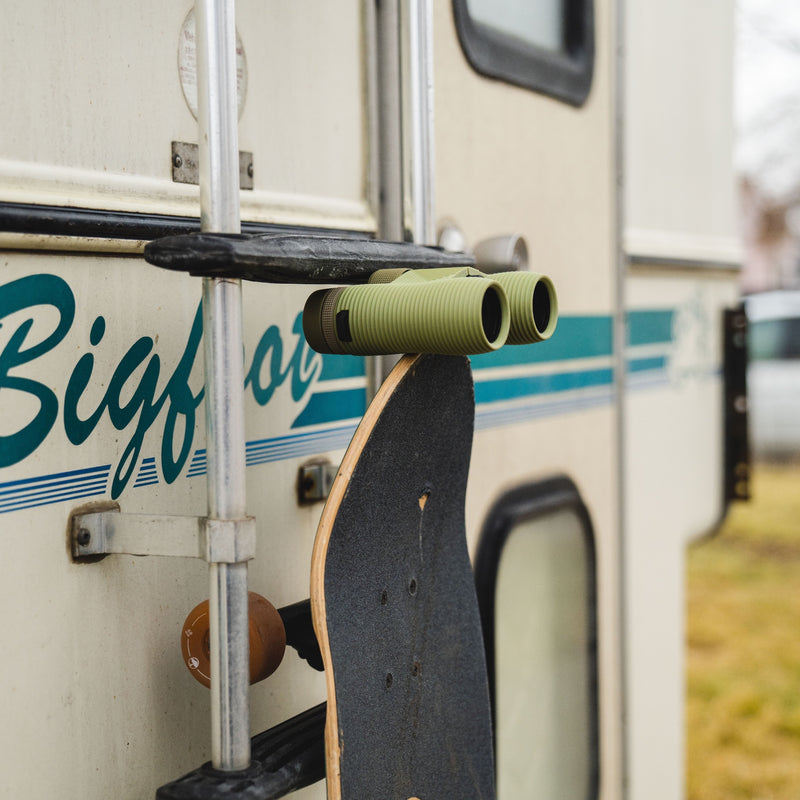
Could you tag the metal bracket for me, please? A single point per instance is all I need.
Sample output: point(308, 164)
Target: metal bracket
point(737, 444)
point(216, 541)
point(186, 165)
point(314, 482)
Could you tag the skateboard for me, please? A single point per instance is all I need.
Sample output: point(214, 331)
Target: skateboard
point(393, 599)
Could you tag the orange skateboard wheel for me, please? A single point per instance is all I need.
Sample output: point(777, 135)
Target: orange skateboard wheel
point(267, 640)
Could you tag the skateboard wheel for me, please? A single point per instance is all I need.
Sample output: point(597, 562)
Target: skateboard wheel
point(267, 640)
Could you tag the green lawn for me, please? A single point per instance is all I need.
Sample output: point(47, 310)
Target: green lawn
point(743, 648)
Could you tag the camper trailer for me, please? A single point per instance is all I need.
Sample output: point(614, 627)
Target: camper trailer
point(586, 140)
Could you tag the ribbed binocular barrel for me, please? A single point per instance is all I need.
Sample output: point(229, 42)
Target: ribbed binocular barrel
point(533, 303)
point(459, 314)
point(453, 312)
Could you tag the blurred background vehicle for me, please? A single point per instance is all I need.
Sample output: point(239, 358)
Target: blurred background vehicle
point(773, 374)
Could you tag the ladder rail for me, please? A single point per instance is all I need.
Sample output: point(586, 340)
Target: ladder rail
point(224, 380)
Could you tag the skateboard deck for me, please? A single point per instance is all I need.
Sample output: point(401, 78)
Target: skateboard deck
point(393, 599)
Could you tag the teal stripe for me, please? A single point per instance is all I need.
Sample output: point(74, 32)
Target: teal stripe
point(650, 327)
point(336, 367)
point(332, 407)
point(514, 388)
point(574, 337)
point(645, 364)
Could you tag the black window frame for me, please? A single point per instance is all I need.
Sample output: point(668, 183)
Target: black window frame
point(519, 505)
point(564, 75)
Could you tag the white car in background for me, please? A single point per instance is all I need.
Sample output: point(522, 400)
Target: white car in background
point(773, 374)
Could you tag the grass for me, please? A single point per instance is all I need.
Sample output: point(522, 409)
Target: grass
point(743, 632)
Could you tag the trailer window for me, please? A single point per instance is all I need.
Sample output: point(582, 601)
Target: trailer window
point(546, 46)
point(535, 575)
point(775, 339)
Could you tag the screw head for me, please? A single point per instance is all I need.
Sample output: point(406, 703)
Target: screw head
point(177, 161)
point(250, 170)
point(84, 537)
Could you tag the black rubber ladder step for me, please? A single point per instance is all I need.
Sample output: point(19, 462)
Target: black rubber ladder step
point(284, 758)
point(293, 258)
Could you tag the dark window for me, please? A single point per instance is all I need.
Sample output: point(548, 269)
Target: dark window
point(535, 575)
point(547, 46)
point(775, 339)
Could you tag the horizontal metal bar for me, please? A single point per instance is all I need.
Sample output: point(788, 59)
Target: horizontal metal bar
point(216, 541)
point(49, 220)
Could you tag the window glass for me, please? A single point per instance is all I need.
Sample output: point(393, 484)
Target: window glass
point(546, 46)
point(536, 589)
point(774, 339)
point(541, 658)
point(540, 24)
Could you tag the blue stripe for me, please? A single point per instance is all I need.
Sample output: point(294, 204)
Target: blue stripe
point(148, 475)
point(300, 448)
point(646, 380)
point(574, 337)
point(263, 451)
point(291, 437)
point(337, 367)
point(647, 364)
point(33, 485)
point(266, 450)
point(85, 491)
point(332, 407)
point(198, 465)
point(49, 492)
point(513, 388)
point(73, 474)
point(650, 327)
point(497, 417)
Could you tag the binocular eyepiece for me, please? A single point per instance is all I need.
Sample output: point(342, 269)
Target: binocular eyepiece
point(446, 311)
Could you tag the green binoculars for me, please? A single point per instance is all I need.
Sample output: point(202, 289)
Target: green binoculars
point(448, 311)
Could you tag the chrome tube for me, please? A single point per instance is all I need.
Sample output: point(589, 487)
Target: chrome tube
point(417, 66)
point(404, 33)
point(222, 334)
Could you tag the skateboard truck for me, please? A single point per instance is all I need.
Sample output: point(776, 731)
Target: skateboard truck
point(284, 758)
